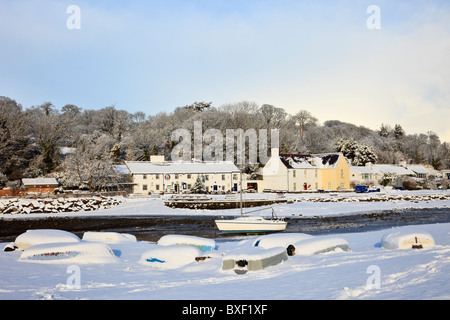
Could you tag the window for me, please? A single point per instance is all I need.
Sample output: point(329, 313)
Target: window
point(235, 176)
point(293, 174)
point(157, 187)
point(223, 177)
point(144, 176)
point(157, 176)
point(177, 176)
point(144, 187)
point(342, 173)
point(206, 177)
point(188, 176)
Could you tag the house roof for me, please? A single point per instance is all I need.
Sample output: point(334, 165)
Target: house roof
point(307, 161)
point(417, 168)
point(39, 181)
point(362, 169)
point(326, 160)
point(295, 161)
point(121, 169)
point(391, 168)
point(181, 167)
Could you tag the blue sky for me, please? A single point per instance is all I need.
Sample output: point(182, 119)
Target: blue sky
point(154, 56)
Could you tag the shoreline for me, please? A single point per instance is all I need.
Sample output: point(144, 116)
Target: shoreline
point(152, 227)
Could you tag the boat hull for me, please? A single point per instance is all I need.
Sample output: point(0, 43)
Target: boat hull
point(253, 227)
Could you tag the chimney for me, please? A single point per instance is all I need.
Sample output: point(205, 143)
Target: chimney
point(157, 159)
point(274, 152)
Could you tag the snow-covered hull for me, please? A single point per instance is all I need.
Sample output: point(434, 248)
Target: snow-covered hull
point(252, 225)
point(409, 238)
point(254, 259)
point(65, 252)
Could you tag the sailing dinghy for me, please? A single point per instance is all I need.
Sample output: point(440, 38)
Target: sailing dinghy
point(251, 225)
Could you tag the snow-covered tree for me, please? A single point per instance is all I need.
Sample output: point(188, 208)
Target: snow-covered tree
point(384, 131)
point(90, 166)
point(364, 154)
point(347, 147)
point(398, 131)
point(198, 186)
point(358, 154)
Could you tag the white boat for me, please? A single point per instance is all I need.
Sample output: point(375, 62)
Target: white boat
point(251, 225)
point(253, 258)
point(82, 252)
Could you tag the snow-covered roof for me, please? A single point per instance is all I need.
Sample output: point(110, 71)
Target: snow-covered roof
point(392, 168)
point(326, 160)
point(296, 161)
point(417, 168)
point(121, 169)
point(306, 161)
point(362, 169)
point(181, 167)
point(39, 181)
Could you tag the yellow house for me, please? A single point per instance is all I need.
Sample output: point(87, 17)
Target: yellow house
point(334, 171)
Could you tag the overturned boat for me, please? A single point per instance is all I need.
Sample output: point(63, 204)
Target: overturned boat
point(407, 238)
point(253, 259)
point(203, 244)
point(66, 252)
point(170, 256)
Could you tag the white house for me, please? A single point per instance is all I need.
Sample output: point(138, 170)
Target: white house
point(290, 172)
point(385, 169)
point(446, 174)
point(420, 171)
point(157, 175)
point(364, 175)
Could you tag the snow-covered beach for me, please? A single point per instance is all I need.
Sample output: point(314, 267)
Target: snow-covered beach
point(367, 271)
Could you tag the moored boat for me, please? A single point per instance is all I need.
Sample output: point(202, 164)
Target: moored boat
point(251, 224)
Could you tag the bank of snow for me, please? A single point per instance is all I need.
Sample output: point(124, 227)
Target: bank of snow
point(367, 271)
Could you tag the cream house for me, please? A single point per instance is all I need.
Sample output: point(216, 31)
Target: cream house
point(446, 174)
point(157, 176)
point(364, 175)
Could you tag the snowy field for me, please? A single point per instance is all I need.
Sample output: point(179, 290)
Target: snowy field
point(368, 271)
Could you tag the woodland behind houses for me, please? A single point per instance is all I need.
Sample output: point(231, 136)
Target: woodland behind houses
point(80, 146)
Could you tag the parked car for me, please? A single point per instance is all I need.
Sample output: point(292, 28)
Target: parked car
point(360, 188)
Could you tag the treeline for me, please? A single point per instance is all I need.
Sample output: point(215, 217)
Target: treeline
point(80, 146)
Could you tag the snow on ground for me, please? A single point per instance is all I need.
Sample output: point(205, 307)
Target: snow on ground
point(400, 273)
point(304, 204)
point(367, 271)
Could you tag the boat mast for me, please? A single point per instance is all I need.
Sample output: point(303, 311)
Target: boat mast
point(240, 186)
